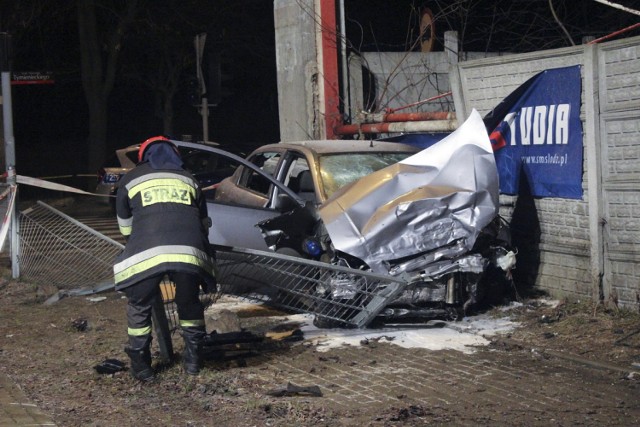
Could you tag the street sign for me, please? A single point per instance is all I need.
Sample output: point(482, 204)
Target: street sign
point(32, 78)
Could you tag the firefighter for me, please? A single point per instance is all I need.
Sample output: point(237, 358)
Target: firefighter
point(162, 213)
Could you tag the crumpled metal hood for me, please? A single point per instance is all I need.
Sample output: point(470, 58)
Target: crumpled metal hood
point(444, 194)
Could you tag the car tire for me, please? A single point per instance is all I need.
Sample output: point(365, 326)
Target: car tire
point(289, 252)
point(321, 322)
point(455, 314)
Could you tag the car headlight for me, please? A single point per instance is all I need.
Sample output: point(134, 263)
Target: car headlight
point(312, 247)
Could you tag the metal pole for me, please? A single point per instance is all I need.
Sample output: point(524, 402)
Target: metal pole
point(199, 42)
point(345, 69)
point(161, 327)
point(7, 117)
point(205, 119)
point(9, 141)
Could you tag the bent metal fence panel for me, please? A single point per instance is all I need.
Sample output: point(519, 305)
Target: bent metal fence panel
point(59, 250)
point(56, 249)
point(344, 295)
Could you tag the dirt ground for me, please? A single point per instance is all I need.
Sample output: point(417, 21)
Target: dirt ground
point(51, 355)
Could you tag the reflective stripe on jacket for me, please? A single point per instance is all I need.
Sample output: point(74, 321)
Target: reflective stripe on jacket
point(163, 214)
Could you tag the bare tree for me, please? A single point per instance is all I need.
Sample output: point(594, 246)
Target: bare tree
point(160, 52)
point(99, 58)
point(483, 26)
point(158, 59)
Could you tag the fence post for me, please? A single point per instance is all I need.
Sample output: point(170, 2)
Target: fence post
point(594, 171)
point(9, 141)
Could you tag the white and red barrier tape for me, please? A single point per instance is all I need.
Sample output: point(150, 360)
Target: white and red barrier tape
point(10, 191)
point(37, 182)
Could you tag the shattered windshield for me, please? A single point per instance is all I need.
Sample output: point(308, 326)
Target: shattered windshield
point(338, 170)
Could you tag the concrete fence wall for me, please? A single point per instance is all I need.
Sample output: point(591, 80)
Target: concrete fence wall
point(398, 79)
point(585, 248)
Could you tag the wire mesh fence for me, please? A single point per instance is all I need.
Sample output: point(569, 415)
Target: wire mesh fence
point(56, 249)
point(347, 296)
point(59, 250)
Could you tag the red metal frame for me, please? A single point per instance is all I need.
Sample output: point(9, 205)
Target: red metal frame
point(330, 76)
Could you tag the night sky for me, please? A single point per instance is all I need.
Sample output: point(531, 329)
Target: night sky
point(50, 121)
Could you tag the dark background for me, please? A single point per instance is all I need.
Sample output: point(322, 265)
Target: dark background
point(50, 121)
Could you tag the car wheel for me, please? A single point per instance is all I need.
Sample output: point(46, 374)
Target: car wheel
point(289, 251)
point(321, 322)
point(455, 314)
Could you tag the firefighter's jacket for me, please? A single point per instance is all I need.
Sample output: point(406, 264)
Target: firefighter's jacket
point(163, 214)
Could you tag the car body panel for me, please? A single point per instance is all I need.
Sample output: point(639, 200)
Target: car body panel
point(241, 231)
point(438, 197)
point(234, 224)
point(123, 160)
point(240, 198)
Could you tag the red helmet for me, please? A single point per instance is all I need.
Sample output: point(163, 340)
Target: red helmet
point(150, 141)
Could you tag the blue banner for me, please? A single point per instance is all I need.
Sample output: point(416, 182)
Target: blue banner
point(536, 135)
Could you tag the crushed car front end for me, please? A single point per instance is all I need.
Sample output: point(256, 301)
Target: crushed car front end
point(430, 219)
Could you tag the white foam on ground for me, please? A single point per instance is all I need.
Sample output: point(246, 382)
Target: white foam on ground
point(465, 335)
point(434, 335)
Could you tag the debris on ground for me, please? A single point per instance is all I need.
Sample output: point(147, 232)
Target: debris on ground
point(294, 390)
point(80, 325)
point(229, 345)
point(432, 381)
point(110, 366)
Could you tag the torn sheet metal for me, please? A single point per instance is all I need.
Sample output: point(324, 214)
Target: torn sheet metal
point(441, 196)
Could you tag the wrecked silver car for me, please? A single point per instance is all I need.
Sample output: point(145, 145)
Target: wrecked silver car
point(430, 219)
point(380, 231)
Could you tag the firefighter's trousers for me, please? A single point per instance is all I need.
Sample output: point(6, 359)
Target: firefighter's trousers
point(141, 297)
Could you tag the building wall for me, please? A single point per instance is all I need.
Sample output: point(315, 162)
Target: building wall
point(296, 62)
point(402, 78)
point(576, 248)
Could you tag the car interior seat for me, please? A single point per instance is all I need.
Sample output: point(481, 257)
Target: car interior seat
point(306, 189)
point(294, 184)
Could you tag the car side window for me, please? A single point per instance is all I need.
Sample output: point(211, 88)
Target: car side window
point(200, 161)
point(268, 162)
point(297, 169)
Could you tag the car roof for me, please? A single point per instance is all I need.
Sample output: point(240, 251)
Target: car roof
point(344, 146)
point(127, 162)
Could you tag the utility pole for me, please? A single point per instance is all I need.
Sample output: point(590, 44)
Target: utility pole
point(199, 42)
point(9, 143)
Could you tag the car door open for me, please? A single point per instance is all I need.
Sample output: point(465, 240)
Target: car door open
point(234, 224)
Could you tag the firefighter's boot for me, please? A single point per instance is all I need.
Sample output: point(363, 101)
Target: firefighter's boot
point(140, 355)
point(192, 357)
